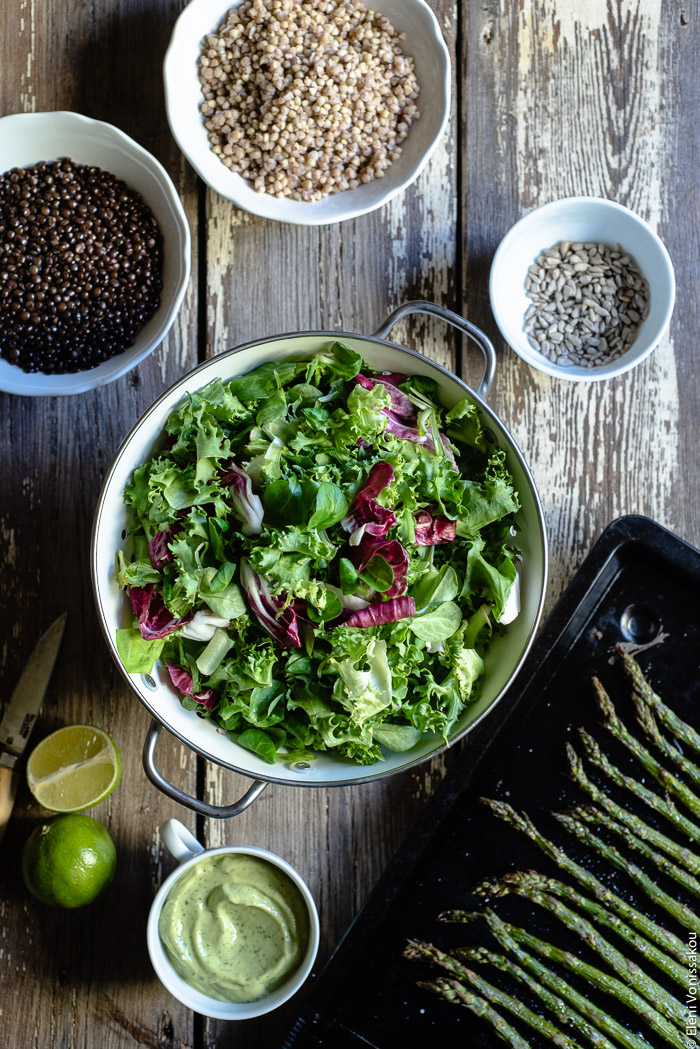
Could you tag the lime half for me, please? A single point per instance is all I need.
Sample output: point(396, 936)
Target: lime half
point(73, 768)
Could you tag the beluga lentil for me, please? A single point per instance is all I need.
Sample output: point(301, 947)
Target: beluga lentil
point(588, 301)
point(81, 260)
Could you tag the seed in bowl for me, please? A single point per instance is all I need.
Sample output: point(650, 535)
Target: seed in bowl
point(305, 99)
point(81, 259)
point(587, 303)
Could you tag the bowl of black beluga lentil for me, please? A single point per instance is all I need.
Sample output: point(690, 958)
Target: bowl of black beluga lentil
point(582, 289)
point(94, 253)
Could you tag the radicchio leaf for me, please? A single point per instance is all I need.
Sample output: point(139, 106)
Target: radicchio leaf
point(398, 428)
point(402, 414)
point(154, 619)
point(183, 683)
point(366, 513)
point(392, 551)
point(158, 548)
point(401, 404)
point(383, 612)
point(281, 626)
point(433, 530)
point(245, 503)
point(393, 377)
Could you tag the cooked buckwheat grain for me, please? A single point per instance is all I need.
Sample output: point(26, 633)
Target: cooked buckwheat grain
point(305, 98)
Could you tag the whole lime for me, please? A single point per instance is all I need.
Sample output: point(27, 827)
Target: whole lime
point(68, 860)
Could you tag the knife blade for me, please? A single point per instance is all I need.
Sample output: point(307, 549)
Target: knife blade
point(22, 711)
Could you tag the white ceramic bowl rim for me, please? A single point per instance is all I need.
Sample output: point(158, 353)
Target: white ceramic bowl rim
point(506, 288)
point(343, 776)
point(197, 1000)
point(33, 137)
point(183, 97)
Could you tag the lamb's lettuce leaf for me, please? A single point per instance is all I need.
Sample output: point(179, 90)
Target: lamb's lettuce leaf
point(136, 653)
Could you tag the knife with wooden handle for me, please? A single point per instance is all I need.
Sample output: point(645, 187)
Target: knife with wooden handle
point(22, 711)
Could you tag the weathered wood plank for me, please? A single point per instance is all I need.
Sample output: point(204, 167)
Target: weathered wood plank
point(566, 99)
point(82, 978)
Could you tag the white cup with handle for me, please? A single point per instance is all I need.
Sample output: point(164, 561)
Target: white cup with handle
point(189, 852)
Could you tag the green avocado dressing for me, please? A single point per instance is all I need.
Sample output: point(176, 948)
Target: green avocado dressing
point(234, 927)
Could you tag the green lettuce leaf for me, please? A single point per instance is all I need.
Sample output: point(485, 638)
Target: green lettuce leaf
point(364, 693)
point(491, 582)
point(396, 737)
point(439, 624)
point(364, 417)
point(464, 425)
point(331, 506)
point(137, 654)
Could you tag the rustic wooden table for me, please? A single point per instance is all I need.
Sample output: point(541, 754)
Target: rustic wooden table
point(551, 98)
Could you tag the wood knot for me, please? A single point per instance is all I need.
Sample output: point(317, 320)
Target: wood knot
point(487, 32)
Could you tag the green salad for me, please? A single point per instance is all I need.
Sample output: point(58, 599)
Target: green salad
point(320, 556)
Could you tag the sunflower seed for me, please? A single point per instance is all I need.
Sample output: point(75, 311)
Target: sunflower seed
point(587, 301)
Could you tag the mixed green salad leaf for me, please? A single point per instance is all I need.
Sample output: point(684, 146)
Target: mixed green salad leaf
point(320, 555)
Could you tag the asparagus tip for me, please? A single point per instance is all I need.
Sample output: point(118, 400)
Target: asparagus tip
point(500, 808)
point(603, 700)
point(458, 916)
point(488, 888)
point(415, 949)
point(587, 813)
point(591, 746)
point(645, 717)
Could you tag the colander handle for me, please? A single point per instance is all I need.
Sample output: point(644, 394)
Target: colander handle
point(453, 319)
point(220, 812)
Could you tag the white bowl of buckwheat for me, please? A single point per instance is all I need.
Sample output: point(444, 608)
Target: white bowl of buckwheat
point(306, 112)
point(582, 289)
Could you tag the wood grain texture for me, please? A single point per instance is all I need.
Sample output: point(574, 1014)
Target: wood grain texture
point(578, 103)
point(78, 979)
point(550, 98)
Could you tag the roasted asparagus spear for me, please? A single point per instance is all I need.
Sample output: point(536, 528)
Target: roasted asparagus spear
point(680, 853)
point(533, 886)
point(454, 992)
point(667, 780)
point(670, 1032)
point(589, 814)
point(662, 937)
point(684, 915)
point(621, 1035)
point(540, 1024)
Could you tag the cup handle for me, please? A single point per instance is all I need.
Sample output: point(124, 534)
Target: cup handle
point(179, 841)
point(168, 788)
point(455, 321)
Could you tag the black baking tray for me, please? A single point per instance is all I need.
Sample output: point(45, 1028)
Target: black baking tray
point(639, 585)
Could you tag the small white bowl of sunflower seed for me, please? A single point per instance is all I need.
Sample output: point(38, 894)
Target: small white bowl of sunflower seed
point(582, 289)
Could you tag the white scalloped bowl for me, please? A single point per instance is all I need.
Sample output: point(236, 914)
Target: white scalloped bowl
point(580, 219)
point(28, 138)
point(183, 97)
